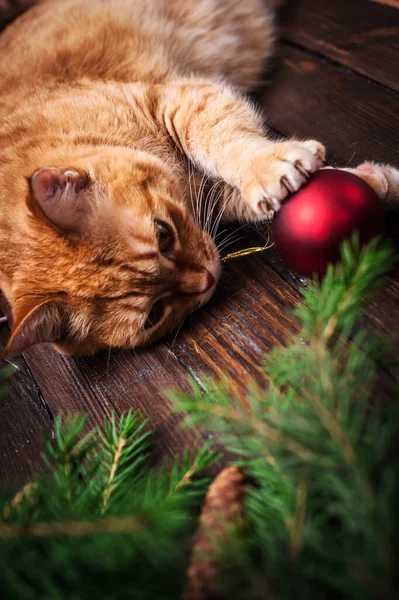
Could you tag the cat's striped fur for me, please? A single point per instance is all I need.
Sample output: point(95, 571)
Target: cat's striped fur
point(104, 105)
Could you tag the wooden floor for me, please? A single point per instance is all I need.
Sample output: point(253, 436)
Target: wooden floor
point(337, 80)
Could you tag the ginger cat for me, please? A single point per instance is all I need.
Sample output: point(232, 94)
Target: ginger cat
point(104, 105)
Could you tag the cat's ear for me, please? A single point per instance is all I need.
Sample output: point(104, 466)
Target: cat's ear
point(64, 197)
point(34, 324)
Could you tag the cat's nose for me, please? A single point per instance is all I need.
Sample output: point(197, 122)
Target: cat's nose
point(195, 282)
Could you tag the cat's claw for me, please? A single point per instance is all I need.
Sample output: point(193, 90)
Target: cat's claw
point(279, 172)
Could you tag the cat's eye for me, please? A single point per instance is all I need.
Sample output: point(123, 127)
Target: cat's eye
point(155, 315)
point(165, 236)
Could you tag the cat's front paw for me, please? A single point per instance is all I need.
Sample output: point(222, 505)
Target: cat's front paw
point(278, 172)
point(384, 179)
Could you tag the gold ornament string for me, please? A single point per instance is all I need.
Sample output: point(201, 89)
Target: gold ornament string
point(246, 251)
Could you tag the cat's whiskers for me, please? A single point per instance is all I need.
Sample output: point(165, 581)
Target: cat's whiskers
point(190, 175)
point(220, 214)
point(169, 350)
point(187, 188)
point(231, 238)
point(223, 231)
point(212, 200)
point(203, 202)
point(196, 199)
point(223, 245)
point(199, 196)
point(217, 195)
point(193, 196)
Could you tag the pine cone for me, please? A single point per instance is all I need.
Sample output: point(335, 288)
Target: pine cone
point(223, 508)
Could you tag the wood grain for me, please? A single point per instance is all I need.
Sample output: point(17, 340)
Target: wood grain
point(116, 382)
point(311, 97)
point(249, 316)
point(23, 418)
point(361, 35)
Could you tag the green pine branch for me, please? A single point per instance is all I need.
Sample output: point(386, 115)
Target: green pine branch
point(98, 515)
point(322, 448)
point(124, 447)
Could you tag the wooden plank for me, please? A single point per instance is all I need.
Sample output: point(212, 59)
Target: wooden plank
point(248, 317)
point(356, 119)
point(359, 34)
point(384, 311)
point(23, 418)
point(116, 382)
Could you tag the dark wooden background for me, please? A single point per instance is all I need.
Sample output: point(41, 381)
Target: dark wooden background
point(336, 79)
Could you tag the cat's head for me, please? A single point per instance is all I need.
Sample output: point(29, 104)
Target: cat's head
point(111, 257)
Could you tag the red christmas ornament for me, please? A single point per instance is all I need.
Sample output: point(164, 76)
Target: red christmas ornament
point(310, 226)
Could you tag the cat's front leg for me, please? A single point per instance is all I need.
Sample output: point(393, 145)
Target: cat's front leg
point(224, 136)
